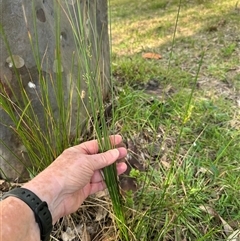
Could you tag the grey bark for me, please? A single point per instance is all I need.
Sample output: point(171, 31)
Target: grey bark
point(17, 19)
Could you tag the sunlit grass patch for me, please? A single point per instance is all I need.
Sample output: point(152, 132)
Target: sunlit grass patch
point(146, 26)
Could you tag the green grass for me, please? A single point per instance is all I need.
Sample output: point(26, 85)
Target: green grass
point(186, 129)
point(190, 144)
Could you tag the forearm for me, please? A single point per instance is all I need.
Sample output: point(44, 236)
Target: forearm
point(45, 186)
point(64, 185)
point(17, 221)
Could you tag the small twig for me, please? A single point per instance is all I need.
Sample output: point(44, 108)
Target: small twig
point(54, 238)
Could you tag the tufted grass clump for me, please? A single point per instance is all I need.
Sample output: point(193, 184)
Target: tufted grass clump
point(66, 109)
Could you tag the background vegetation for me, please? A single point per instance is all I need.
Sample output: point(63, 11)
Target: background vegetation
point(181, 115)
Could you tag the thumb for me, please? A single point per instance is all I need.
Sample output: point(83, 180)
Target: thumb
point(104, 159)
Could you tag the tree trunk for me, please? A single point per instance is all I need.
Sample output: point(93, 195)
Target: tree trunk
point(39, 42)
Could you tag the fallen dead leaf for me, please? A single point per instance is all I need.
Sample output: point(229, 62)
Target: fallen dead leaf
point(109, 239)
point(151, 56)
point(208, 210)
point(165, 164)
point(227, 228)
point(238, 102)
point(102, 194)
point(235, 236)
point(203, 171)
point(6, 186)
point(128, 184)
point(101, 214)
point(69, 235)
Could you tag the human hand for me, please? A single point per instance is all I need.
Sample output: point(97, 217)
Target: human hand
point(74, 175)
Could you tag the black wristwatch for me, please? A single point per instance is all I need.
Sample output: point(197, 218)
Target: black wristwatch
point(40, 209)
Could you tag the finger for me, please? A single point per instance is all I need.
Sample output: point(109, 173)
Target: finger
point(99, 186)
point(101, 160)
point(122, 152)
point(91, 147)
point(97, 176)
point(107, 158)
point(96, 187)
point(121, 168)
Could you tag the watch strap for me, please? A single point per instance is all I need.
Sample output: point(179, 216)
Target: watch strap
point(40, 209)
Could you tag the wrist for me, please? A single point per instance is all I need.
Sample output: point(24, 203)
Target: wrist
point(39, 208)
point(15, 213)
point(48, 190)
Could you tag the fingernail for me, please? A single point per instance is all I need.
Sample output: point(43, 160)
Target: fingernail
point(116, 152)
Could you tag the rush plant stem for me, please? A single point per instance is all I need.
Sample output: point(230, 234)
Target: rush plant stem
point(95, 110)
